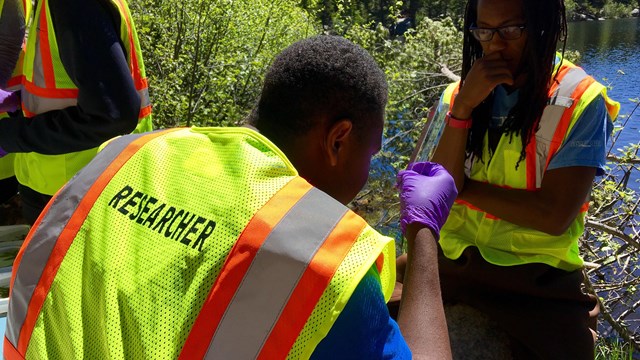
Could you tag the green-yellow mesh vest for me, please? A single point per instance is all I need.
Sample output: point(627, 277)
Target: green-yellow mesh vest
point(501, 242)
point(140, 266)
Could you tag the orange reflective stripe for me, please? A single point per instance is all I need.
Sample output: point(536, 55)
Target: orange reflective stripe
point(473, 207)
point(9, 351)
point(555, 83)
point(237, 264)
point(141, 84)
point(584, 207)
point(532, 162)
point(380, 263)
point(45, 49)
point(50, 92)
point(133, 66)
point(565, 121)
point(312, 285)
point(453, 96)
point(15, 81)
point(69, 233)
point(144, 112)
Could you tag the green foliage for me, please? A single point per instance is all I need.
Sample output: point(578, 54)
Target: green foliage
point(413, 66)
point(337, 16)
point(615, 10)
point(205, 58)
point(613, 349)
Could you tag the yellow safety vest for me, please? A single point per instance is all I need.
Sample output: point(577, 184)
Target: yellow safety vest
point(187, 243)
point(501, 242)
point(46, 86)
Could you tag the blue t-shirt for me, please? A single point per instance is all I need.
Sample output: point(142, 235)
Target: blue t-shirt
point(364, 329)
point(585, 144)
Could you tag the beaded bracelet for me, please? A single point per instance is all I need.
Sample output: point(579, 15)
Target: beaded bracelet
point(457, 123)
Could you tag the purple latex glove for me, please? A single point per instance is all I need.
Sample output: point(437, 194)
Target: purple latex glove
point(2, 152)
point(9, 101)
point(427, 192)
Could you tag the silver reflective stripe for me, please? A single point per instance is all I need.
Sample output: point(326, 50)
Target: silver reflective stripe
point(273, 275)
point(559, 102)
point(38, 69)
point(43, 240)
point(38, 105)
point(144, 98)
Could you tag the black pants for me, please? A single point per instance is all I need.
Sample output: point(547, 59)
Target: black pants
point(33, 203)
point(541, 308)
point(8, 189)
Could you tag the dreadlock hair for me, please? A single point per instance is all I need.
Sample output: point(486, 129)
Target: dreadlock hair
point(319, 77)
point(546, 25)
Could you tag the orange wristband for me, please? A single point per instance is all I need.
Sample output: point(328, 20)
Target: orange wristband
point(457, 123)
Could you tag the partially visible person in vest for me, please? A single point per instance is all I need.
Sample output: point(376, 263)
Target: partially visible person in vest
point(81, 81)
point(13, 15)
point(235, 243)
point(526, 134)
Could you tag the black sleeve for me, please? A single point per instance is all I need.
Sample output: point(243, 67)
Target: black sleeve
point(94, 58)
point(12, 27)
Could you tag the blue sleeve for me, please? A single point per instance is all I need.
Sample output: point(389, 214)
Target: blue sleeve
point(364, 329)
point(586, 144)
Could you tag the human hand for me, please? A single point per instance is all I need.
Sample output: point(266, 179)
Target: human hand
point(427, 192)
point(2, 153)
point(9, 101)
point(485, 74)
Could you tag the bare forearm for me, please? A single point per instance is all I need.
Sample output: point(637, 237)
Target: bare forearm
point(550, 209)
point(421, 316)
point(450, 153)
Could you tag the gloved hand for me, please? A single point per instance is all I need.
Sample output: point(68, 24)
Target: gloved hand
point(2, 152)
point(9, 101)
point(427, 192)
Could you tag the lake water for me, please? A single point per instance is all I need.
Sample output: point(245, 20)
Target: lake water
point(610, 52)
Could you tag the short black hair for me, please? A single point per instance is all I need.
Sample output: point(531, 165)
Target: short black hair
point(320, 77)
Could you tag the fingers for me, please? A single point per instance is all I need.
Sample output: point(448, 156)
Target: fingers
point(485, 74)
point(493, 70)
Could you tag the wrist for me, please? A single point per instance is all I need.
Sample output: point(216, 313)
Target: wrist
point(455, 122)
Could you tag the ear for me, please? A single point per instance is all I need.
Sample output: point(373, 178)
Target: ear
point(336, 140)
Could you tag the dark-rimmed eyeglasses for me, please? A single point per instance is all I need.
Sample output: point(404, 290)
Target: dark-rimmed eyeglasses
point(509, 32)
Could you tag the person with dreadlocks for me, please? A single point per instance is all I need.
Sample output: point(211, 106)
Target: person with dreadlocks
point(526, 135)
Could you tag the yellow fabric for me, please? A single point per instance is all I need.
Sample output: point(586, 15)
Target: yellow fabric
point(366, 250)
point(136, 296)
point(48, 173)
point(6, 166)
point(501, 242)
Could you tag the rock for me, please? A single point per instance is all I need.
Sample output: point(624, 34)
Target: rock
point(635, 12)
point(474, 336)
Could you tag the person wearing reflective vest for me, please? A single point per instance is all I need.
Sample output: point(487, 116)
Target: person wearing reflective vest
point(76, 90)
point(235, 243)
point(525, 135)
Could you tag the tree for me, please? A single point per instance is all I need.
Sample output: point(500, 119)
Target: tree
point(205, 58)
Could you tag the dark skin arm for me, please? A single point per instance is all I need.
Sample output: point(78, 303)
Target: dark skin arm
point(427, 337)
point(552, 208)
